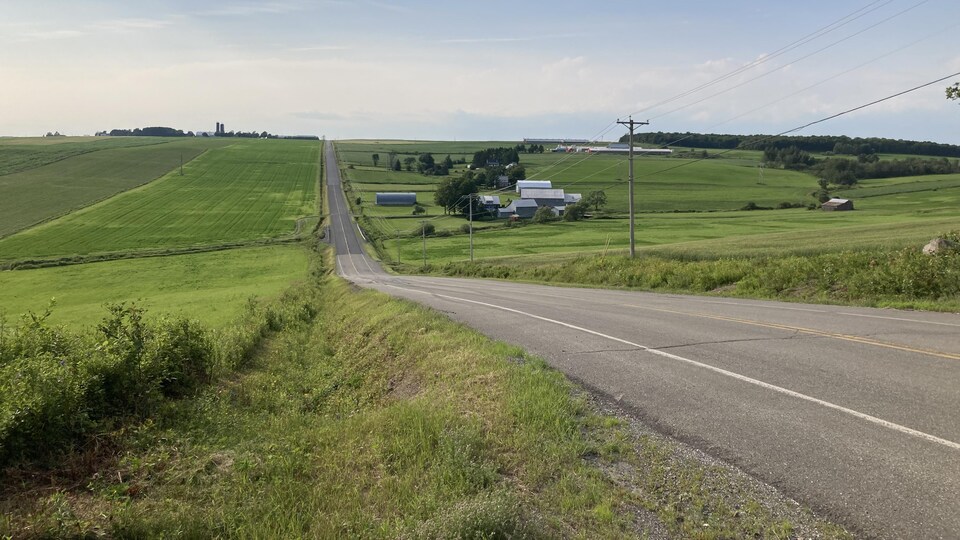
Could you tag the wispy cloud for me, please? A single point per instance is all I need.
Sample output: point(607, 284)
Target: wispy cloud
point(512, 39)
point(252, 8)
point(122, 26)
point(319, 48)
point(113, 26)
point(388, 6)
point(50, 35)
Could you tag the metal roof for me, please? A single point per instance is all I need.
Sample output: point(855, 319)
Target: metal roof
point(490, 199)
point(537, 193)
point(529, 203)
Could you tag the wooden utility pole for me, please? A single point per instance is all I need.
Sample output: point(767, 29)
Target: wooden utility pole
point(423, 230)
point(631, 124)
point(470, 204)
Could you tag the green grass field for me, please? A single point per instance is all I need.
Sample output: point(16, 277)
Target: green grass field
point(250, 189)
point(211, 287)
point(24, 153)
point(68, 176)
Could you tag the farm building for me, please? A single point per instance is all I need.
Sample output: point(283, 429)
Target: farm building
point(490, 202)
point(523, 208)
point(539, 184)
point(544, 197)
point(836, 205)
point(396, 199)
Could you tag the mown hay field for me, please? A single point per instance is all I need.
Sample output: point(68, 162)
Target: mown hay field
point(39, 182)
point(250, 189)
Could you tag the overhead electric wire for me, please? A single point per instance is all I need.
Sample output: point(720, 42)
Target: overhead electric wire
point(869, 8)
point(798, 128)
point(828, 79)
point(784, 66)
point(839, 23)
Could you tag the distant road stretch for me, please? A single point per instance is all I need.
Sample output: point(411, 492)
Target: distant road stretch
point(854, 412)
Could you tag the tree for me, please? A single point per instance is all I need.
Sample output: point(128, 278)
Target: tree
point(425, 229)
point(419, 210)
point(408, 163)
point(575, 212)
point(396, 164)
point(452, 193)
point(596, 199)
point(376, 159)
point(517, 172)
point(543, 214)
point(953, 92)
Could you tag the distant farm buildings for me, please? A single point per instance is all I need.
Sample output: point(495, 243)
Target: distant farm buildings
point(396, 199)
point(614, 148)
point(837, 205)
point(535, 194)
point(555, 141)
point(538, 184)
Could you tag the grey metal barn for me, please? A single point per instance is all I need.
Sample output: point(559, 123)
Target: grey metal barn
point(396, 199)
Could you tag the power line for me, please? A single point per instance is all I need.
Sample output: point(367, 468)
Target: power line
point(818, 51)
point(804, 126)
point(839, 23)
point(843, 21)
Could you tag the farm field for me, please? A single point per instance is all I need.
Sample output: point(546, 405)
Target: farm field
point(23, 153)
point(250, 189)
point(690, 212)
point(212, 287)
point(54, 179)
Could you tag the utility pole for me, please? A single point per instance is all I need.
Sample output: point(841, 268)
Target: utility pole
point(423, 230)
point(181, 163)
point(470, 204)
point(398, 247)
point(631, 123)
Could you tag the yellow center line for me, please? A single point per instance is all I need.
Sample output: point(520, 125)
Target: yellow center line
point(810, 331)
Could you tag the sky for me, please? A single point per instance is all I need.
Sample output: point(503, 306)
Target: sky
point(490, 70)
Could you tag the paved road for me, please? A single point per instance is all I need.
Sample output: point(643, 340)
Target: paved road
point(854, 412)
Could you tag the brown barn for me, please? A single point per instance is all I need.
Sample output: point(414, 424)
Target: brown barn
point(836, 205)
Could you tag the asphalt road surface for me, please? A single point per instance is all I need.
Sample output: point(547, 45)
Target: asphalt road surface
point(854, 412)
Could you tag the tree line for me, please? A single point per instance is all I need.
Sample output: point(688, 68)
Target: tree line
point(160, 131)
point(810, 143)
point(846, 171)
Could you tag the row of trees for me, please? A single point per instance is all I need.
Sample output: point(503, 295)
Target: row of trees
point(845, 171)
point(495, 157)
point(532, 149)
point(160, 131)
point(808, 143)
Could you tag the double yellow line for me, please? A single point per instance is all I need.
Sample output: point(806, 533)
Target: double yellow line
point(808, 331)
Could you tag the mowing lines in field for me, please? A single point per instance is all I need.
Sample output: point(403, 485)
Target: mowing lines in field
point(251, 189)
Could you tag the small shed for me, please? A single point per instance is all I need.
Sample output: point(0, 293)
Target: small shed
point(539, 184)
point(396, 199)
point(837, 205)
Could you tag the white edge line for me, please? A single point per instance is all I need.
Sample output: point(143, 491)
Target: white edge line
point(361, 232)
point(743, 378)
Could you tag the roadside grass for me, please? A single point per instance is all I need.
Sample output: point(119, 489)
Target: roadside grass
point(50, 180)
point(381, 419)
point(211, 287)
point(904, 278)
point(248, 190)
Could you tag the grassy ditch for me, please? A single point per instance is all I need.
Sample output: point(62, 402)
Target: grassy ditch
point(362, 416)
point(903, 278)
